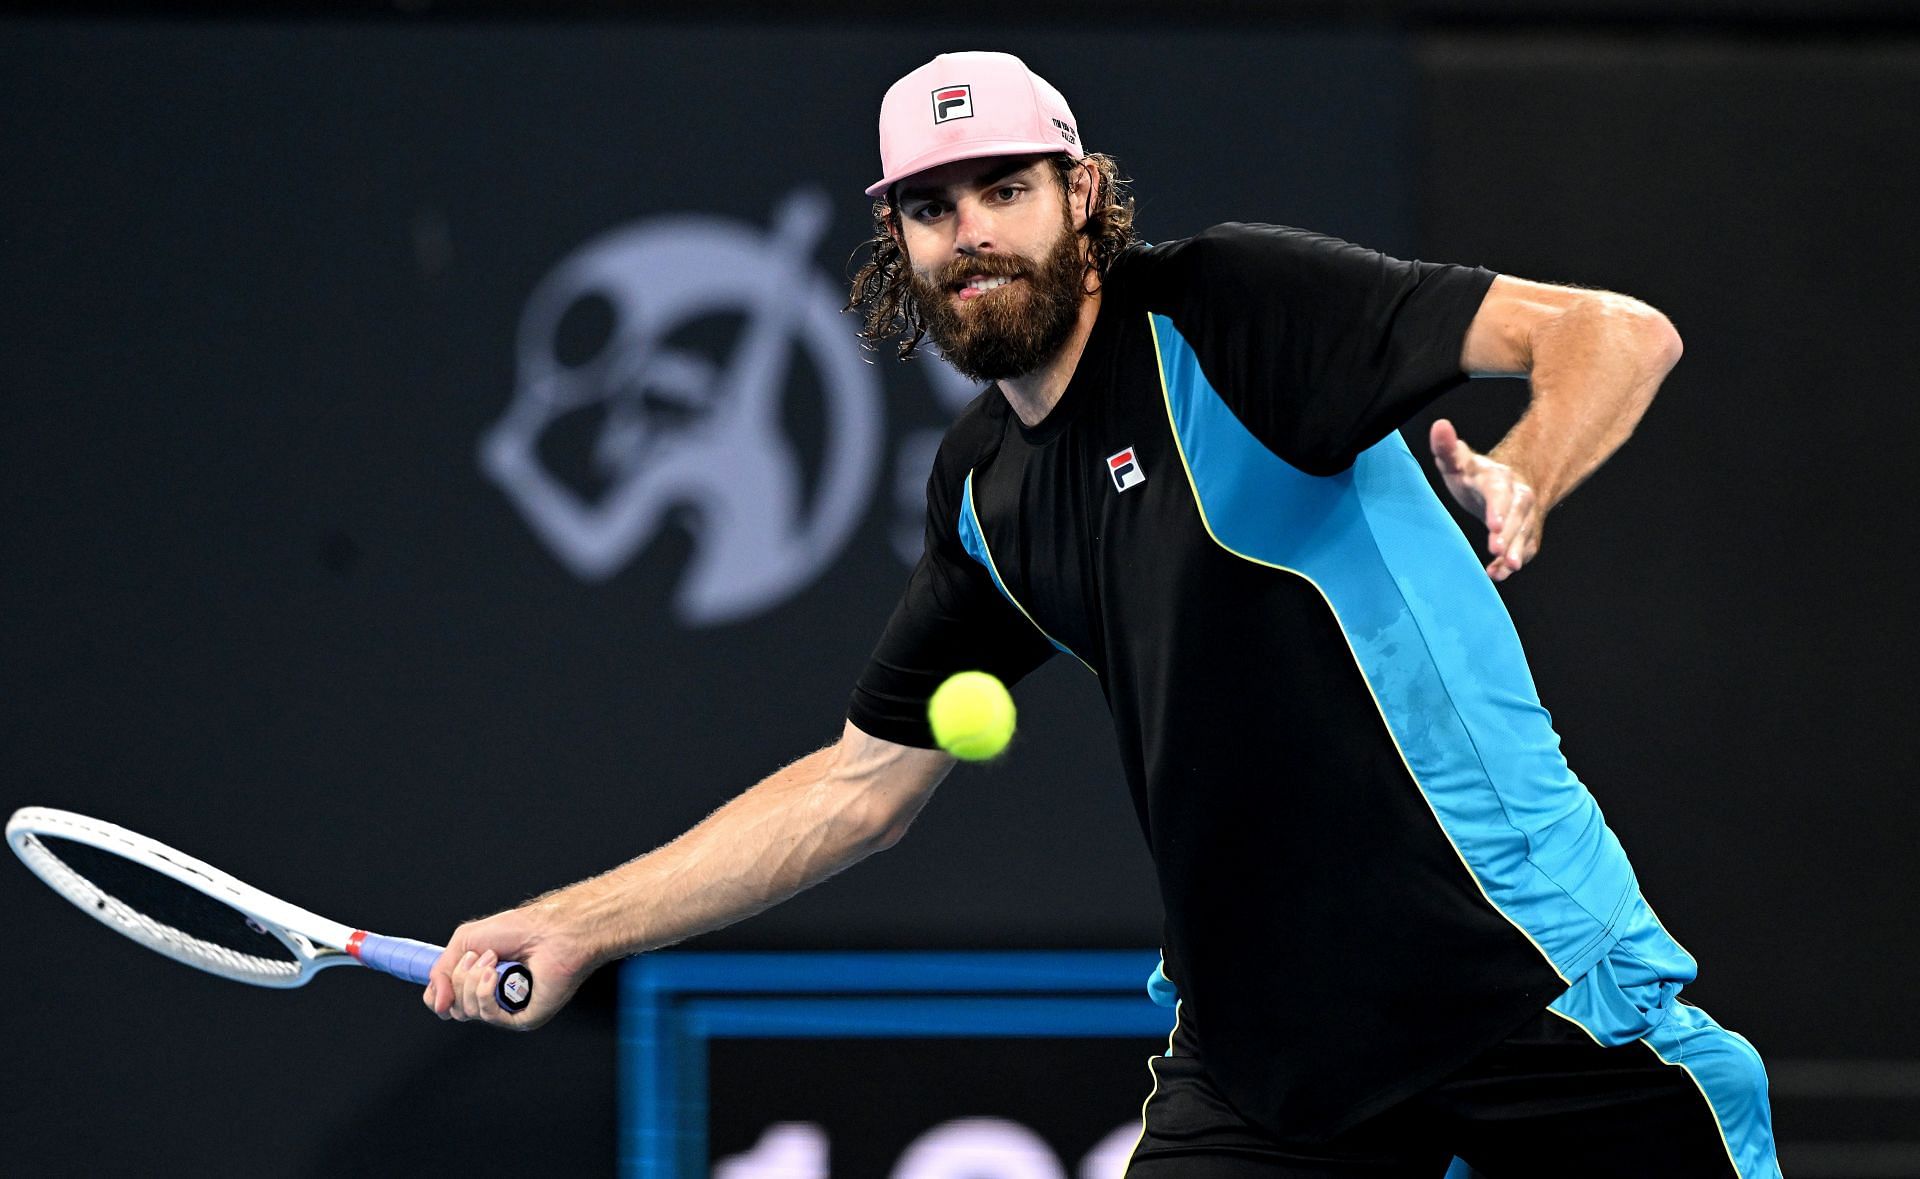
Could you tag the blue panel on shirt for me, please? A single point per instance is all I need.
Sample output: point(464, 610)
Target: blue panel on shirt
point(974, 541)
point(1440, 655)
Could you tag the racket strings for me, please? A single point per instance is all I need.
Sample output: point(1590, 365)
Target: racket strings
point(207, 916)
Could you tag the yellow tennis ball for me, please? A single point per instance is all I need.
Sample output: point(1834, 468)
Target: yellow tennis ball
point(972, 716)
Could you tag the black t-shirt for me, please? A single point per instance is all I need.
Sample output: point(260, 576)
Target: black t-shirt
point(1303, 658)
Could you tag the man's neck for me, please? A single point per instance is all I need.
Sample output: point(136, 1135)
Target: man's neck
point(1033, 395)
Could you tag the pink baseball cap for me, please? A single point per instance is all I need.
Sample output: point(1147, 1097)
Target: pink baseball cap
point(963, 106)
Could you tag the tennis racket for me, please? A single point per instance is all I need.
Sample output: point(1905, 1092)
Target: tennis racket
point(194, 913)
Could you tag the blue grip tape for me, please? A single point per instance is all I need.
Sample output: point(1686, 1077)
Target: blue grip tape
point(399, 956)
point(405, 958)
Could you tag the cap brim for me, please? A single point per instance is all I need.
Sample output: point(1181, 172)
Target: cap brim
point(978, 149)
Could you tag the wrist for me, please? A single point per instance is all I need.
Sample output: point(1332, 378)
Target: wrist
point(588, 923)
point(1524, 471)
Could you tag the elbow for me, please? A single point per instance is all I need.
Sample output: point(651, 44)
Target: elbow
point(1619, 326)
point(1652, 334)
point(1663, 340)
point(877, 824)
point(891, 833)
point(891, 814)
point(877, 791)
point(888, 813)
point(877, 833)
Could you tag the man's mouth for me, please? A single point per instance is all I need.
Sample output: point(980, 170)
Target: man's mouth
point(979, 284)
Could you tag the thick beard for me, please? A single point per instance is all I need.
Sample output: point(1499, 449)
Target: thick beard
point(1010, 332)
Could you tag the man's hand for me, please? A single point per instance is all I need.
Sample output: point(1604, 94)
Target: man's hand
point(1500, 496)
point(462, 979)
point(1593, 361)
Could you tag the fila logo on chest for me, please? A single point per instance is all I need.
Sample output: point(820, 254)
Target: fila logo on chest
point(1126, 470)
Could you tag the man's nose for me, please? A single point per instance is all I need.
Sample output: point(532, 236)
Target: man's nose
point(973, 228)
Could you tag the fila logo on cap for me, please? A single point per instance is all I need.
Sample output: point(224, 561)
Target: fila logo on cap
point(1126, 470)
point(952, 102)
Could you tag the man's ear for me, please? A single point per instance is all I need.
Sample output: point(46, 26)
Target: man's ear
point(1080, 194)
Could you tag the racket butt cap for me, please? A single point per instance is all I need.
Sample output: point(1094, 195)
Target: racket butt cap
point(516, 987)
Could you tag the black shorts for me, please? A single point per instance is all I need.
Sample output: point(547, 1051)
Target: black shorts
point(1546, 1102)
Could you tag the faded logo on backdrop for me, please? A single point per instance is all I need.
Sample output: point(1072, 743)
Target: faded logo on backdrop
point(656, 366)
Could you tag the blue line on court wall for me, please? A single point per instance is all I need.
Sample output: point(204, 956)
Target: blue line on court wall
point(671, 1004)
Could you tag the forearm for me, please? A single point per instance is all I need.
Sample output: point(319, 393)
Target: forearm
point(1594, 369)
point(795, 828)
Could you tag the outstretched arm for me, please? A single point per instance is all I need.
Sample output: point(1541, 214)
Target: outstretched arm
point(798, 826)
point(1594, 360)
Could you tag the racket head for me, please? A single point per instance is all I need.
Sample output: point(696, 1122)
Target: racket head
point(172, 903)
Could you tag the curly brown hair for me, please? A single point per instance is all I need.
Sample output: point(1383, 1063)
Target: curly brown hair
point(881, 286)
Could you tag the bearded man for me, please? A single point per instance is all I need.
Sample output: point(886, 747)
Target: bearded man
point(1398, 929)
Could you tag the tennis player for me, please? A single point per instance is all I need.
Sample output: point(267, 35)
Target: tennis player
point(1397, 927)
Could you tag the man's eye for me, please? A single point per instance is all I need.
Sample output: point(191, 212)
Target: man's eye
point(925, 212)
point(1008, 192)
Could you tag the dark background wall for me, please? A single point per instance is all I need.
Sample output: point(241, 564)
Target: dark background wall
point(264, 599)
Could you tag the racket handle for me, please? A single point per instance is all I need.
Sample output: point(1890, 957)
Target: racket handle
point(405, 958)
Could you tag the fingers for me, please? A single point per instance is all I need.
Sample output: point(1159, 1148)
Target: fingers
point(1497, 493)
point(476, 994)
point(450, 989)
point(470, 992)
point(1493, 491)
point(439, 995)
point(1464, 472)
point(1514, 537)
point(469, 988)
point(1490, 489)
point(1447, 447)
point(463, 983)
